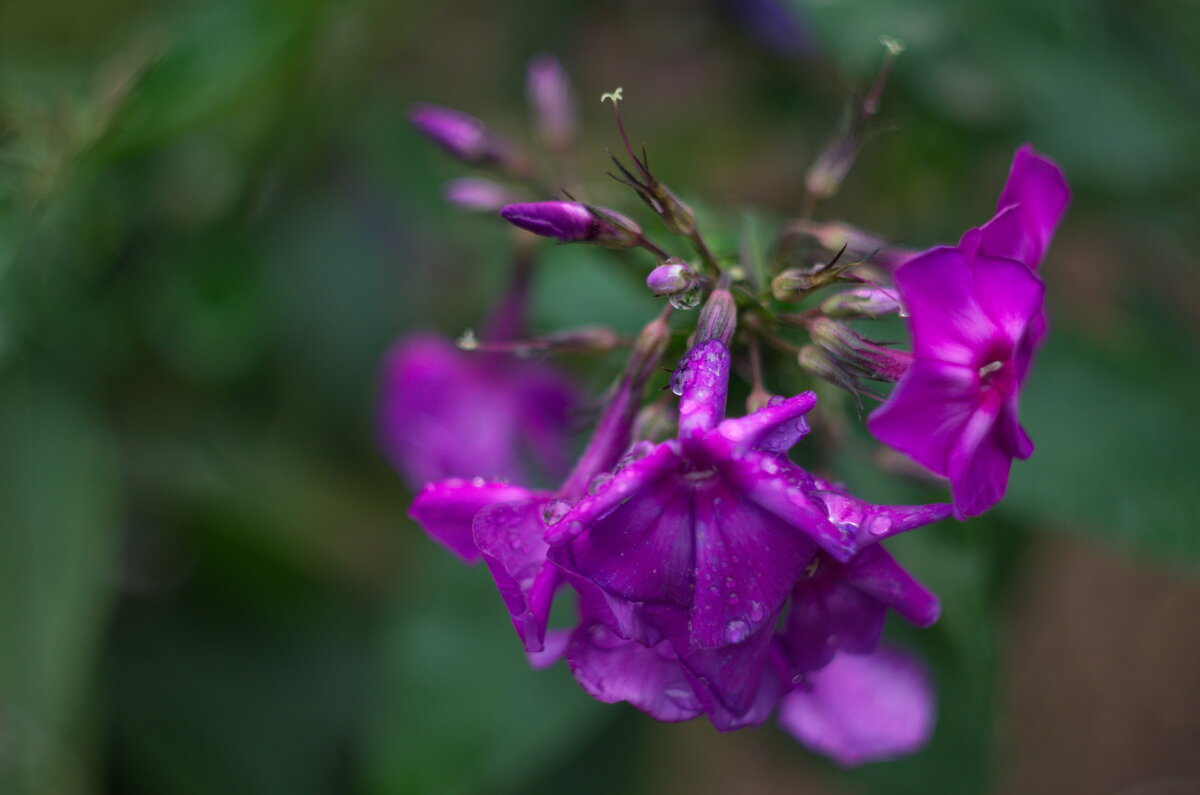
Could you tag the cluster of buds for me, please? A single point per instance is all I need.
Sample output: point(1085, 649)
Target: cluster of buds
point(711, 574)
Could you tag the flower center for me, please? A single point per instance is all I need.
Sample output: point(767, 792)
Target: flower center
point(990, 368)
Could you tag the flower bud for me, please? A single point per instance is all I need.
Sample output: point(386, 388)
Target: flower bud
point(825, 175)
point(476, 193)
point(572, 222)
point(794, 283)
point(460, 134)
point(671, 276)
point(857, 353)
point(718, 318)
point(466, 138)
point(862, 302)
point(676, 280)
point(817, 362)
point(553, 105)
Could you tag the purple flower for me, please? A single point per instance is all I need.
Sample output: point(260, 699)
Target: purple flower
point(709, 524)
point(975, 315)
point(572, 222)
point(863, 708)
point(446, 413)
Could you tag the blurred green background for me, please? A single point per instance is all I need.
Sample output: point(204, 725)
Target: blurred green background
point(214, 219)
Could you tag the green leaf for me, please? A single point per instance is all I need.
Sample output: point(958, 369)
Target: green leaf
point(57, 539)
point(1115, 459)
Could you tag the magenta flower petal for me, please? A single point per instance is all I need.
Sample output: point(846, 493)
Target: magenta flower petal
point(727, 680)
point(1036, 185)
point(510, 537)
point(784, 490)
point(701, 381)
point(611, 669)
point(774, 428)
point(863, 708)
point(447, 509)
point(747, 560)
point(1010, 294)
point(642, 550)
point(828, 614)
point(946, 320)
point(876, 573)
point(926, 411)
point(873, 523)
point(555, 648)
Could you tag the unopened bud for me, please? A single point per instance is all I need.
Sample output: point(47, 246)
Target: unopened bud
point(676, 280)
point(678, 217)
point(718, 318)
point(466, 138)
point(573, 222)
point(817, 362)
point(857, 353)
point(862, 302)
point(552, 102)
point(671, 276)
point(648, 349)
point(794, 284)
point(476, 193)
point(825, 176)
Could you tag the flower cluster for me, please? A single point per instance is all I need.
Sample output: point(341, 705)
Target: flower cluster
point(710, 573)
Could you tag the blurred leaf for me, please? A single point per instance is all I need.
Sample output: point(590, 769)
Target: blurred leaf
point(459, 710)
point(1114, 459)
point(206, 699)
point(57, 521)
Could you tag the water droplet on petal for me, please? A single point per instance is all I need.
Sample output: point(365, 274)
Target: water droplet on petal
point(554, 511)
point(687, 299)
point(732, 599)
point(736, 631)
point(879, 525)
point(636, 453)
point(757, 612)
point(599, 482)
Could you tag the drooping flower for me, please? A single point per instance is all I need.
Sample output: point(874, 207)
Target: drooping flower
point(444, 412)
point(976, 317)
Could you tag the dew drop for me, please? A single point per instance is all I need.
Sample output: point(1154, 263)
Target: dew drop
point(757, 612)
point(736, 631)
point(879, 525)
point(478, 482)
point(687, 299)
point(732, 599)
point(599, 482)
point(554, 511)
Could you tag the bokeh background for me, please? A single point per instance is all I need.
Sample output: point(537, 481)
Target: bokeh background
point(214, 220)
